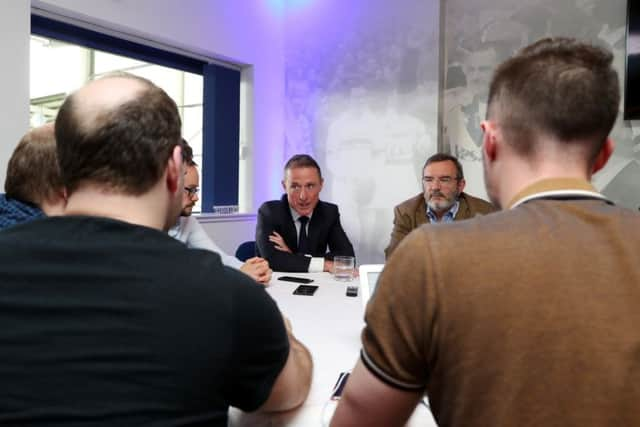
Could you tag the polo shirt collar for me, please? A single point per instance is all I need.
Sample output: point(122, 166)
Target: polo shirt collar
point(556, 188)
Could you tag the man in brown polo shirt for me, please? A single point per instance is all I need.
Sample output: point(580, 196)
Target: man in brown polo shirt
point(442, 199)
point(528, 316)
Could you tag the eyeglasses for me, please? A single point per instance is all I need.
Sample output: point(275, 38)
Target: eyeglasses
point(444, 180)
point(192, 191)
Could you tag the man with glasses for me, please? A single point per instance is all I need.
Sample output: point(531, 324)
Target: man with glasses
point(189, 230)
point(293, 233)
point(442, 199)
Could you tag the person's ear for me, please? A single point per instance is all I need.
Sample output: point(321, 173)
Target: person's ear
point(284, 186)
point(175, 169)
point(461, 185)
point(489, 144)
point(63, 195)
point(603, 155)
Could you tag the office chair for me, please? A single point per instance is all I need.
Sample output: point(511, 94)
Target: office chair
point(246, 250)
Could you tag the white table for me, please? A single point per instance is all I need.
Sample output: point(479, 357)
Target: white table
point(329, 324)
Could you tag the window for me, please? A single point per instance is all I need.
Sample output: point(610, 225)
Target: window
point(63, 57)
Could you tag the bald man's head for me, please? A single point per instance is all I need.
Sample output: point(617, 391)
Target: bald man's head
point(117, 132)
point(100, 97)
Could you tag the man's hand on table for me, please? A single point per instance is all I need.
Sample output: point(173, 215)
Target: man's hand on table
point(258, 269)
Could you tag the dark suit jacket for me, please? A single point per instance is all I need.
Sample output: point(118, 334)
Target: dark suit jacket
point(324, 230)
point(412, 213)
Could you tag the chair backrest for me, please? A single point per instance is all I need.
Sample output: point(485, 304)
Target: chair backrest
point(246, 250)
point(368, 279)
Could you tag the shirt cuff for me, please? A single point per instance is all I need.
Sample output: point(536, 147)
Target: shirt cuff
point(316, 265)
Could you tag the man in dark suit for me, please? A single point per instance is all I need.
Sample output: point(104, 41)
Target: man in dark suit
point(442, 200)
point(293, 233)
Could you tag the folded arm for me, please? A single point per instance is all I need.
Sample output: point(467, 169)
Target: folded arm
point(279, 260)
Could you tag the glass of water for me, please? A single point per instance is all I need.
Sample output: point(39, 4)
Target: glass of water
point(343, 268)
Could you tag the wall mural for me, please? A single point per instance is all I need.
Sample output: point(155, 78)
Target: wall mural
point(362, 94)
point(481, 34)
point(361, 97)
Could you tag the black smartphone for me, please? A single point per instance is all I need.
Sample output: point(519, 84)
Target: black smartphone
point(295, 279)
point(337, 389)
point(305, 290)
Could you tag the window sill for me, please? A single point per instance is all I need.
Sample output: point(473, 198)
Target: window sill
point(205, 218)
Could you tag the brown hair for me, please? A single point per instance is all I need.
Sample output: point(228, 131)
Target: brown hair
point(125, 148)
point(187, 153)
point(558, 87)
point(302, 161)
point(33, 174)
point(444, 157)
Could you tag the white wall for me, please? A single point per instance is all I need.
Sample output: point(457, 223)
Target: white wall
point(14, 78)
point(246, 32)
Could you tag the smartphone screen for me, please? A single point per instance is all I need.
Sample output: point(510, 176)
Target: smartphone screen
point(295, 279)
point(305, 290)
point(337, 389)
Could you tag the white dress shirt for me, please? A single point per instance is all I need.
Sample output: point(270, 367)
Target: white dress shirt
point(317, 263)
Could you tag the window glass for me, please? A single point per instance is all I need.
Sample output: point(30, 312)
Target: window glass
point(57, 68)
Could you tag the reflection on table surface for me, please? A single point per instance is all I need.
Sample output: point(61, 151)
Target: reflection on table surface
point(329, 323)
